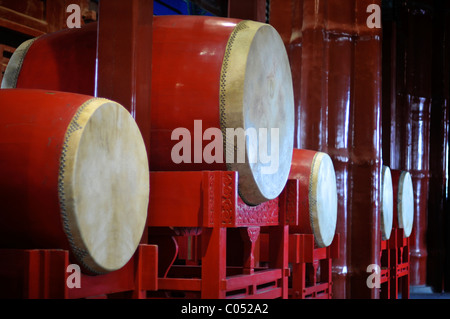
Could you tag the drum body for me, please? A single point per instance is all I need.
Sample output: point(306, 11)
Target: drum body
point(73, 175)
point(387, 203)
point(317, 195)
point(403, 201)
point(221, 95)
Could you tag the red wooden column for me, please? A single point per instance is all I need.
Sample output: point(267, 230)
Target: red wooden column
point(124, 53)
point(365, 153)
point(286, 16)
point(248, 10)
point(339, 44)
point(313, 113)
point(124, 59)
point(413, 120)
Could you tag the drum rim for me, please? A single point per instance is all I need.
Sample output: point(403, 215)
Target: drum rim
point(15, 64)
point(404, 176)
point(315, 223)
point(386, 231)
point(239, 39)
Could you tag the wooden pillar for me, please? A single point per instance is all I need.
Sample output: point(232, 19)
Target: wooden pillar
point(365, 153)
point(124, 53)
point(248, 10)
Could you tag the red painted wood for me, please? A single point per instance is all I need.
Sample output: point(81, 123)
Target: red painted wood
point(42, 274)
point(365, 154)
point(62, 61)
point(180, 45)
point(248, 10)
point(286, 16)
point(301, 170)
point(340, 39)
point(124, 58)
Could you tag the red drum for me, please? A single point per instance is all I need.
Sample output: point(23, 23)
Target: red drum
point(208, 73)
point(403, 201)
point(317, 195)
point(73, 175)
point(387, 203)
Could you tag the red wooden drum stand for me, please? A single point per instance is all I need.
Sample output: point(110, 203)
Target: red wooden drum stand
point(396, 250)
point(44, 274)
point(387, 212)
point(225, 73)
point(209, 201)
point(395, 266)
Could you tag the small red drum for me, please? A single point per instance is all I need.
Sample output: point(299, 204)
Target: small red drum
point(387, 203)
point(73, 175)
point(317, 195)
point(403, 201)
point(208, 73)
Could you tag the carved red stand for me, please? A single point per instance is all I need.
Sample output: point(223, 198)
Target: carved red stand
point(208, 203)
point(395, 266)
point(385, 280)
point(311, 266)
point(42, 274)
point(400, 269)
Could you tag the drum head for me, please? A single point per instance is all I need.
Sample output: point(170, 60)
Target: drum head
point(323, 199)
point(257, 98)
point(405, 203)
point(387, 203)
point(103, 186)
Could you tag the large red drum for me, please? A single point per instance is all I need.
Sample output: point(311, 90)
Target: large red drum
point(403, 201)
point(387, 203)
point(73, 175)
point(208, 73)
point(317, 195)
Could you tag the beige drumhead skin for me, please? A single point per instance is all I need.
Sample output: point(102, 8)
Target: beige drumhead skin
point(405, 203)
point(387, 203)
point(256, 93)
point(103, 186)
point(323, 199)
